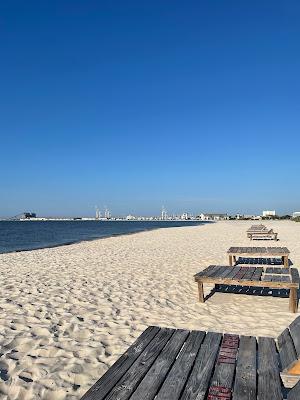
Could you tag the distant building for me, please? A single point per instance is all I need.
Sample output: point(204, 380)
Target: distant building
point(296, 214)
point(246, 216)
point(27, 215)
point(269, 213)
point(184, 216)
point(213, 217)
point(130, 217)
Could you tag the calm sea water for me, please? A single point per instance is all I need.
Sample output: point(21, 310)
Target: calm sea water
point(29, 235)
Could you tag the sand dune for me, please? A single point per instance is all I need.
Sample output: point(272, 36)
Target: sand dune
point(67, 313)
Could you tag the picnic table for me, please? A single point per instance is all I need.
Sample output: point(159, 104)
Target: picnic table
point(252, 277)
point(173, 364)
point(257, 228)
point(259, 252)
point(261, 232)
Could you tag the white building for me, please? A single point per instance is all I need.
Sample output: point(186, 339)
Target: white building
point(296, 214)
point(130, 217)
point(213, 217)
point(269, 213)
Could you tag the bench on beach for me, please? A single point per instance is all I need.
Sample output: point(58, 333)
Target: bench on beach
point(251, 277)
point(173, 364)
point(270, 235)
point(259, 252)
point(261, 232)
point(256, 228)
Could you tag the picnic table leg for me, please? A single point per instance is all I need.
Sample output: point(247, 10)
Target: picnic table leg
point(293, 300)
point(201, 292)
point(230, 261)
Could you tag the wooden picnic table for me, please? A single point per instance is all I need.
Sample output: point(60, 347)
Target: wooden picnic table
point(257, 228)
point(252, 277)
point(258, 252)
point(173, 364)
point(261, 232)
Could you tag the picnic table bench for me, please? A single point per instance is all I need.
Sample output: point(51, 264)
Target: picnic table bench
point(257, 228)
point(252, 277)
point(259, 252)
point(256, 232)
point(173, 364)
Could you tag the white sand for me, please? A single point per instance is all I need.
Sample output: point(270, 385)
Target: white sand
point(67, 313)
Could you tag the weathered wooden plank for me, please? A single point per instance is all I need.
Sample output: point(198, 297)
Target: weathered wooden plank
point(259, 251)
point(215, 270)
point(269, 384)
point(285, 279)
point(279, 271)
point(287, 350)
point(257, 274)
point(200, 376)
point(131, 379)
point(295, 334)
point(226, 273)
point(176, 379)
point(154, 378)
point(225, 368)
point(103, 386)
point(294, 394)
point(206, 271)
point(245, 378)
point(250, 272)
point(233, 272)
point(295, 275)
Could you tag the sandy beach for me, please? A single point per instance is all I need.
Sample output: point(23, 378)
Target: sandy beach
point(68, 313)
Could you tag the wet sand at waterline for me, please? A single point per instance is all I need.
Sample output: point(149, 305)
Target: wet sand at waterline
point(68, 313)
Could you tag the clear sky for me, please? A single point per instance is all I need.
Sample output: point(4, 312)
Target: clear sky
point(194, 105)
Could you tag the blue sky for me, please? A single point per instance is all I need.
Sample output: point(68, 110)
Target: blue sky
point(193, 105)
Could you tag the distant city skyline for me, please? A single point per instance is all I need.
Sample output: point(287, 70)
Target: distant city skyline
point(193, 105)
point(107, 213)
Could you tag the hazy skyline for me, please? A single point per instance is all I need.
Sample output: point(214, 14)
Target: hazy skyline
point(135, 105)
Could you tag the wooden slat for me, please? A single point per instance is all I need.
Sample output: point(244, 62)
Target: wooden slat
point(200, 376)
point(155, 377)
point(205, 272)
point(218, 272)
point(245, 378)
point(259, 251)
point(225, 368)
point(214, 271)
point(287, 350)
point(257, 274)
point(233, 272)
point(274, 270)
point(295, 334)
point(131, 379)
point(176, 379)
point(269, 384)
point(103, 386)
point(295, 275)
point(294, 393)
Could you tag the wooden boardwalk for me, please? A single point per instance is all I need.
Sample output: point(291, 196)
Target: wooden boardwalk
point(170, 364)
point(259, 252)
point(287, 278)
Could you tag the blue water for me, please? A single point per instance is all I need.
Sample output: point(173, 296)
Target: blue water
point(29, 235)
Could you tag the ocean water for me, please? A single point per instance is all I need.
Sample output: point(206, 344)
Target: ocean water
point(29, 235)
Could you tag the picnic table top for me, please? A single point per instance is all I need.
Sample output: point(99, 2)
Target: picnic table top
point(259, 251)
point(257, 228)
point(173, 364)
point(249, 276)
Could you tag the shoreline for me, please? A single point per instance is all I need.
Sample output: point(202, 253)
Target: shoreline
point(199, 223)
